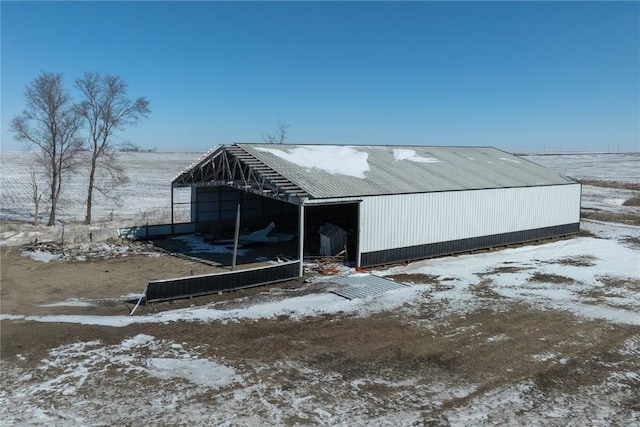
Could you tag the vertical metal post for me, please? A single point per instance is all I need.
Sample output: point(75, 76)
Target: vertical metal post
point(301, 239)
point(172, 232)
point(235, 240)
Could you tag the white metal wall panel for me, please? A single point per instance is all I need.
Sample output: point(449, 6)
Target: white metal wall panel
point(394, 221)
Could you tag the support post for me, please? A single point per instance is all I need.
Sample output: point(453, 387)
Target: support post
point(172, 230)
point(301, 238)
point(235, 240)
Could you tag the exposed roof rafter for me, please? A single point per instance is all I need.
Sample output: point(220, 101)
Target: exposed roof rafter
point(232, 166)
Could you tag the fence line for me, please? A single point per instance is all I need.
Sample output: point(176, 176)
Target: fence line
point(159, 230)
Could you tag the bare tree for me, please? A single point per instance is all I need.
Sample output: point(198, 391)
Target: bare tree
point(50, 123)
point(278, 137)
point(36, 196)
point(106, 109)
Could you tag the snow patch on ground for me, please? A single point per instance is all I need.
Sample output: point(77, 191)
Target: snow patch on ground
point(198, 371)
point(523, 273)
point(71, 302)
point(42, 256)
point(198, 245)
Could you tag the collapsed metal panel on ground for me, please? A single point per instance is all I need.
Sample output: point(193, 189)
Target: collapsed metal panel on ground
point(362, 286)
point(184, 287)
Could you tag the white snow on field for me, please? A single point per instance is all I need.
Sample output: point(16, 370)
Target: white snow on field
point(145, 198)
point(412, 156)
point(336, 160)
point(621, 167)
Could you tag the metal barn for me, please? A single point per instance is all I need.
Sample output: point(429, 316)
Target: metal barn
point(396, 203)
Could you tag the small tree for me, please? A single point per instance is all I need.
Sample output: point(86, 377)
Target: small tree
point(106, 109)
point(50, 123)
point(282, 128)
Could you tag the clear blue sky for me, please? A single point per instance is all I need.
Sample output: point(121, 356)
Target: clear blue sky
point(522, 76)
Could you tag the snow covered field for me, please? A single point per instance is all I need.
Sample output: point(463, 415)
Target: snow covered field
point(145, 198)
point(544, 334)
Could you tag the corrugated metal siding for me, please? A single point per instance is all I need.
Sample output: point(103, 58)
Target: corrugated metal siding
point(221, 203)
point(396, 221)
point(410, 253)
point(362, 286)
point(183, 287)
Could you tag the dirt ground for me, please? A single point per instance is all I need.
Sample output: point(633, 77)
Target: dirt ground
point(382, 345)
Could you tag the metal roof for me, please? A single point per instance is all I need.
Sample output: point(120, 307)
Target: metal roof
point(333, 171)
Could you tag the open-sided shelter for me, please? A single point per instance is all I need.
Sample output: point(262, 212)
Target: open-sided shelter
point(397, 203)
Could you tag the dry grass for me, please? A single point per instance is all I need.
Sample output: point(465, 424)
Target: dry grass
point(549, 278)
point(624, 218)
point(415, 278)
point(506, 269)
point(634, 201)
point(614, 288)
point(611, 184)
point(578, 261)
point(634, 242)
point(618, 282)
point(483, 290)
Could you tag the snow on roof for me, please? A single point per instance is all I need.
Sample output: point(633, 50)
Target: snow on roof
point(332, 159)
point(326, 171)
point(336, 171)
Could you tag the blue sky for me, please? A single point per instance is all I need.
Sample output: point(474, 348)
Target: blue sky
point(521, 76)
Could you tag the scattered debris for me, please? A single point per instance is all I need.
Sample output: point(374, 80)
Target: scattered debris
point(112, 248)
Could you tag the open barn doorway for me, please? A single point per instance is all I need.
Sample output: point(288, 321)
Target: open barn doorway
point(325, 226)
point(268, 227)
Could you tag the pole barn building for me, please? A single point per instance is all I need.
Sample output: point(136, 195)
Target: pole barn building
point(396, 203)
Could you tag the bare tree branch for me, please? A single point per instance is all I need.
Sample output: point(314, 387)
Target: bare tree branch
point(36, 196)
point(49, 123)
point(280, 134)
point(106, 109)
